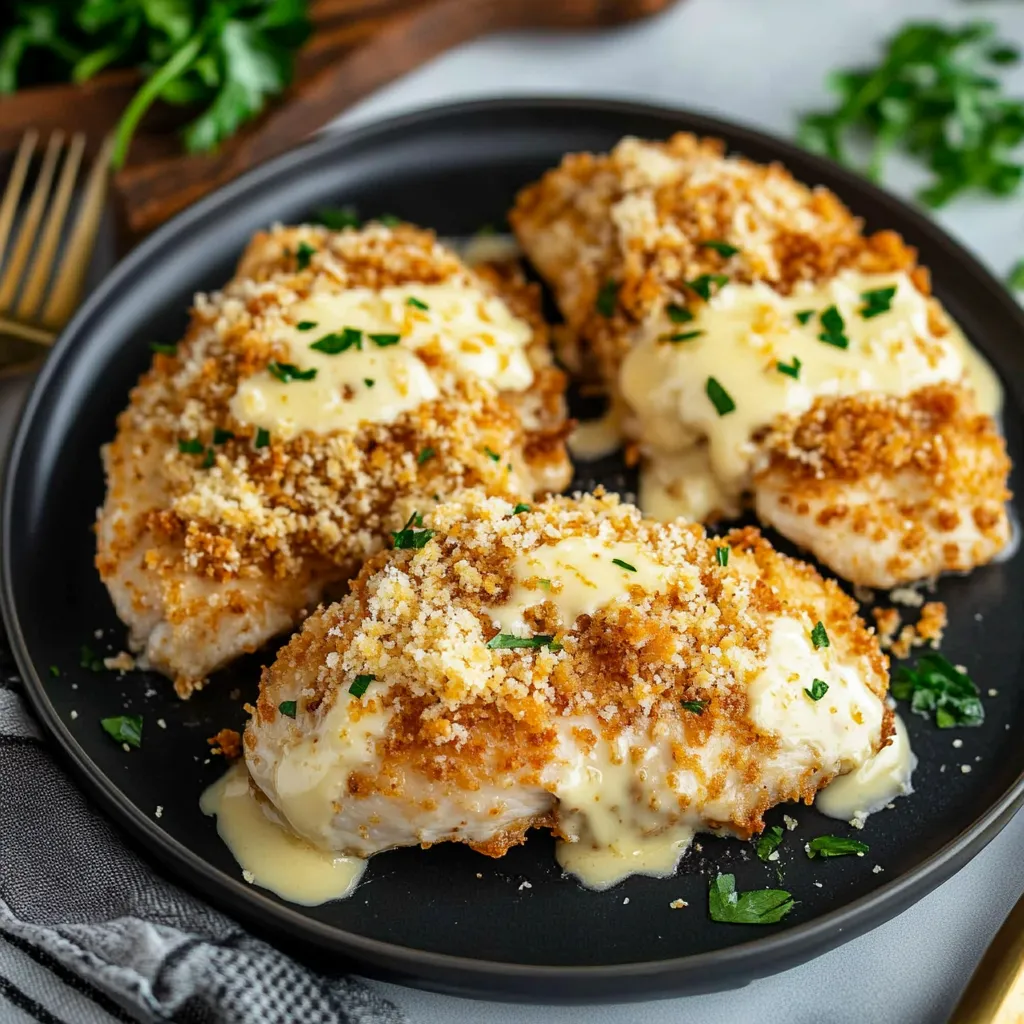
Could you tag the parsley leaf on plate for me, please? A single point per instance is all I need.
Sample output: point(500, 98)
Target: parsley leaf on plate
point(769, 841)
point(934, 685)
point(124, 729)
point(759, 906)
point(835, 846)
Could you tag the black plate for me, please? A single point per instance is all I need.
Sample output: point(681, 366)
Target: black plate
point(447, 918)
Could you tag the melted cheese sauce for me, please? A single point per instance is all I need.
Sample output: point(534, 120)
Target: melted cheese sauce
point(595, 439)
point(747, 330)
point(874, 784)
point(578, 576)
point(271, 856)
point(473, 333)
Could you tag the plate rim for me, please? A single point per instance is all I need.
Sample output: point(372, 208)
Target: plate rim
point(441, 971)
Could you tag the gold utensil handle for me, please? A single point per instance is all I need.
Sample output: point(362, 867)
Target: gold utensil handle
point(995, 994)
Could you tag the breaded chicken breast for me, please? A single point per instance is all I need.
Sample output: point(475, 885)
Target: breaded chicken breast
point(717, 297)
point(882, 489)
point(570, 666)
point(340, 382)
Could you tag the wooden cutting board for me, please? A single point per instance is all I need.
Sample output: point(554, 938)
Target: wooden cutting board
point(357, 46)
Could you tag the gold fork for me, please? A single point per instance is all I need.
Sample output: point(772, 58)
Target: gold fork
point(38, 294)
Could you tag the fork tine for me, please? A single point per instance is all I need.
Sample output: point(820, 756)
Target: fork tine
point(30, 223)
point(67, 284)
point(15, 183)
point(42, 263)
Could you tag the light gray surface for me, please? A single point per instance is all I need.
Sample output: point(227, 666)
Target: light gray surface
point(760, 61)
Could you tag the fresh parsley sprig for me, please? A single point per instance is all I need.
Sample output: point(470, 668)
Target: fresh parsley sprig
point(760, 906)
point(934, 685)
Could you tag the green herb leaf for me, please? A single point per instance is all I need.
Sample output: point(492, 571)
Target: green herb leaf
point(720, 398)
point(696, 706)
point(360, 684)
point(722, 248)
point(288, 708)
point(491, 454)
point(769, 841)
point(55, 672)
point(383, 340)
point(607, 299)
point(1015, 279)
point(306, 325)
point(337, 218)
point(416, 303)
point(124, 729)
point(520, 508)
point(835, 846)
point(623, 565)
point(818, 689)
point(208, 458)
point(804, 316)
point(369, 382)
point(722, 555)
point(818, 636)
point(220, 436)
point(934, 685)
point(193, 446)
point(683, 336)
point(760, 906)
point(262, 438)
point(304, 252)
point(877, 301)
point(678, 314)
point(162, 349)
point(425, 455)
point(335, 344)
point(707, 284)
point(790, 369)
point(389, 220)
point(834, 325)
point(90, 659)
point(508, 642)
point(285, 372)
point(408, 538)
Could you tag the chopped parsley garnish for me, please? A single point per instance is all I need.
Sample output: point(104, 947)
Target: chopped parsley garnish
point(759, 906)
point(383, 340)
point(607, 298)
point(790, 369)
point(407, 537)
point(335, 343)
point(193, 446)
point(491, 454)
point(818, 689)
point(544, 584)
point(262, 438)
point(804, 316)
point(287, 707)
point(706, 284)
point(54, 671)
point(769, 841)
point(623, 565)
point(695, 706)
point(722, 248)
point(521, 507)
point(221, 436)
point(124, 729)
point(306, 325)
point(935, 685)
point(360, 684)
point(285, 372)
point(720, 398)
point(415, 303)
point(208, 459)
point(369, 382)
point(833, 326)
point(678, 314)
point(337, 218)
point(509, 642)
point(722, 555)
point(425, 455)
point(1015, 279)
point(818, 635)
point(835, 846)
point(876, 301)
point(389, 220)
point(90, 659)
point(682, 336)
point(163, 349)
point(303, 253)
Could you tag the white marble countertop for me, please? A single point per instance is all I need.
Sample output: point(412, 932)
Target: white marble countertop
point(761, 61)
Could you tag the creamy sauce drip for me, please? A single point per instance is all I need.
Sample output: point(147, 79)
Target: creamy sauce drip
point(747, 330)
point(595, 439)
point(475, 333)
point(872, 785)
point(271, 856)
point(578, 576)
